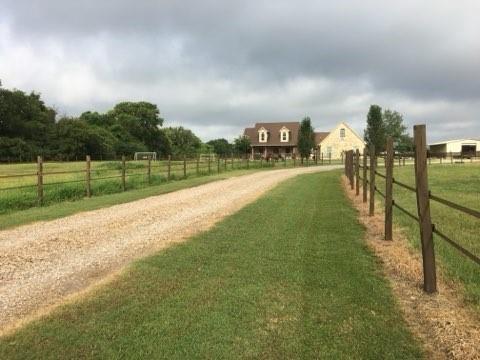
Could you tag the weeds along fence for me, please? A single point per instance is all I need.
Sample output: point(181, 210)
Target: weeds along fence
point(41, 183)
point(361, 170)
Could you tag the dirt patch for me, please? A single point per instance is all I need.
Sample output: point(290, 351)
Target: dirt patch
point(445, 325)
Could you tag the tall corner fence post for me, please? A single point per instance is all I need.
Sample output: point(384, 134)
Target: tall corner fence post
point(149, 170)
point(40, 180)
point(357, 172)
point(389, 190)
point(423, 208)
point(373, 162)
point(124, 185)
point(169, 167)
point(364, 177)
point(88, 177)
point(184, 166)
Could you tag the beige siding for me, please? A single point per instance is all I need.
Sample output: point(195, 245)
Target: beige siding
point(337, 144)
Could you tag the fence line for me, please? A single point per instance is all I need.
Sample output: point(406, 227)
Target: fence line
point(422, 158)
point(167, 168)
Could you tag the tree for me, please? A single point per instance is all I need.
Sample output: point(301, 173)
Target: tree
point(375, 131)
point(242, 145)
point(306, 138)
point(221, 147)
point(394, 127)
point(26, 117)
point(184, 141)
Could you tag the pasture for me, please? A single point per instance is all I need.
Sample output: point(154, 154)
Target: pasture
point(459, 183)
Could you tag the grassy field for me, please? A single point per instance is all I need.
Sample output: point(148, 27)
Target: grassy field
point(136, 172)
point(459, 183)
point(289, 276)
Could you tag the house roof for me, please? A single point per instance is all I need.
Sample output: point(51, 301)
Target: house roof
point(319, 136)
point(274, 130)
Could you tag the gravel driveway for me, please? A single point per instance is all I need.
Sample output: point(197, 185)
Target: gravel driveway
point(42, 263)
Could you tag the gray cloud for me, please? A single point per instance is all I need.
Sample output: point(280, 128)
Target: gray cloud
point(217, 66)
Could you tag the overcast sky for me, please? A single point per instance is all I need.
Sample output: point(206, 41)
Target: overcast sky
point(218, 66)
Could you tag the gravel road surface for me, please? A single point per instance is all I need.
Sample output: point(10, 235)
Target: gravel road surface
point(43, 262)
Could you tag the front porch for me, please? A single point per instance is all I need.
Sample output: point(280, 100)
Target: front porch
point(275, 152)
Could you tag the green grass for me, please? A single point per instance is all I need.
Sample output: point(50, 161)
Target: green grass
point(288, 276)
point(136, 171)
point(459, 183)
point(65, 208)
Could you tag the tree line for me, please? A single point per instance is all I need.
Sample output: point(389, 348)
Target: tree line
point(28, 127)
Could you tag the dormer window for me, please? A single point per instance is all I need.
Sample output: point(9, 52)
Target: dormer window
point(284, 135)
point(342, 133)
point(262, 135)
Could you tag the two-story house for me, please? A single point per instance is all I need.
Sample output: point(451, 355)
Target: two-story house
point(280, 140)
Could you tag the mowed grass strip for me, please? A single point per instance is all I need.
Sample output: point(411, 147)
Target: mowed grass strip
point(459, 183)
point(288, 276)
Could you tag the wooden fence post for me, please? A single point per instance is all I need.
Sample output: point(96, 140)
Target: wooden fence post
point(169, 167)
point(198, 165)
point(88, 177)
point(232, 160)
point(184, 166)
point(149, 171)
point(357, 172)
point(371, 211)
point(209, 164)
point(352, 169)
point(423, 208)
point(40, 180)
point(364, 180)
point(218, 164)
point(124, 185)
point(225, 163)
point(451, 158)
point(329, 158)
point(389, 190)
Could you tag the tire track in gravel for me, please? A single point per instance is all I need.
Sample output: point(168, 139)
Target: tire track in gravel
point(44, 262)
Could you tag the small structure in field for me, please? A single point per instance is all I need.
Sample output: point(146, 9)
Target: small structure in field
point(145, 155)
point(460, 147)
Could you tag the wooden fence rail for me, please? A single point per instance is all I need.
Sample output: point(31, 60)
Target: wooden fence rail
point(168, 168)
point(427, 228)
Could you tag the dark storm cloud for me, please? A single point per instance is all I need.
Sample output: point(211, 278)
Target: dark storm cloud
point(231, 62)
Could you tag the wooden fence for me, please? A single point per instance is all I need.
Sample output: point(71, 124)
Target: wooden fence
point(168, 168)
point(356, 163)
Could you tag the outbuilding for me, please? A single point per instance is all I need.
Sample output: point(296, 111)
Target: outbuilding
point(463, 147)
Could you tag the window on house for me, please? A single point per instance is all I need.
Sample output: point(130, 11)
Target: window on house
point(284, 136)
point(342, 133)
point(262, 136)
